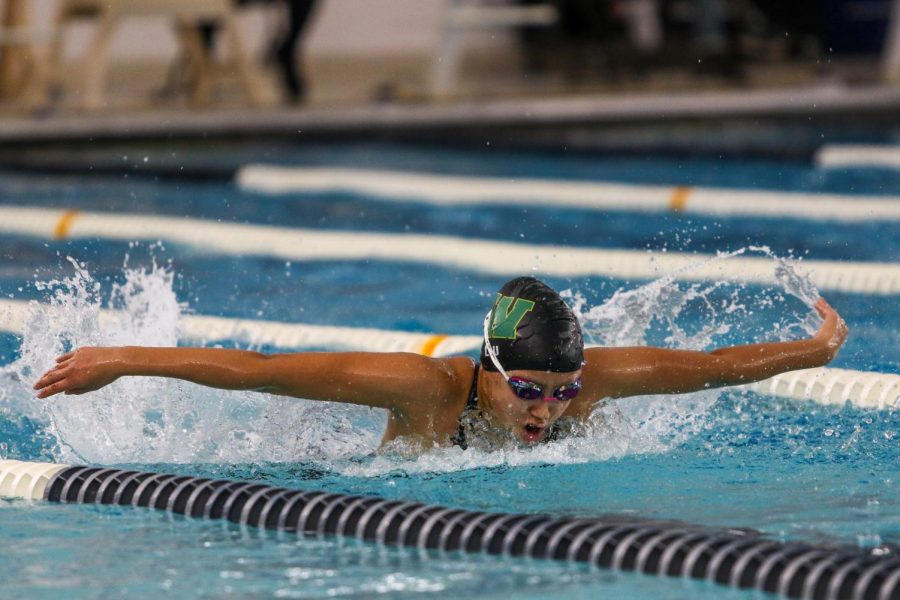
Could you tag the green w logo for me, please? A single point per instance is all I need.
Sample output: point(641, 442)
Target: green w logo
point(507, 315)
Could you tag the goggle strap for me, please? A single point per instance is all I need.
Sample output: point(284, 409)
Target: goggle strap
point(490, 348)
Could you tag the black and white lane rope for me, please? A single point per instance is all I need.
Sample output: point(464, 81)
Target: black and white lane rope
point(735, 558)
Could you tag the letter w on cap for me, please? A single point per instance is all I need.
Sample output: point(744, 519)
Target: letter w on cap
point(507, 316)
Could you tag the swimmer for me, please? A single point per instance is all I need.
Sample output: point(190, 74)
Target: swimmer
point(533, 370)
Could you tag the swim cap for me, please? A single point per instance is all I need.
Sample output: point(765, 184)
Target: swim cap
point(532, 329)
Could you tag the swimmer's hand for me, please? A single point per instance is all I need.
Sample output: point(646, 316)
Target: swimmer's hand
point(82, 370)
point(833, 331)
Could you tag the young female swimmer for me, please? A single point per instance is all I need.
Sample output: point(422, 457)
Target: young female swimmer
point(534, 369)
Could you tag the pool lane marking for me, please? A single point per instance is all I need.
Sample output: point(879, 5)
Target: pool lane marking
point(202, 329)
point(430, 345)
point(477, 255)
point(446, 190)
point(678, 201)
point(823, 385)
point(853, 155)
point(64, 224)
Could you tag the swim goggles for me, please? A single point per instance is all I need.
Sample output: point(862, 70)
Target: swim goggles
point(523, 388)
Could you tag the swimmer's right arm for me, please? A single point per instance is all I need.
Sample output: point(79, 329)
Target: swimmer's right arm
point(385, 380)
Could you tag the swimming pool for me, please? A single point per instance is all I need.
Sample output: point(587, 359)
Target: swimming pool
point(795, 470)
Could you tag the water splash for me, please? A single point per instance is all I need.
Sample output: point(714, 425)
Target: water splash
point(143, 419)
point(664, 312)
point(160, 420)
point(692, 316)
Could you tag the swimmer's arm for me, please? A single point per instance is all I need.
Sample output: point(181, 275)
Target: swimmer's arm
point(385, 380)
point(621, 372)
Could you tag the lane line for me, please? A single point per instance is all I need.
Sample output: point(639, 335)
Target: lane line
point(482, 256)
point(446, 190)
point(202, 329)
point(848, 156)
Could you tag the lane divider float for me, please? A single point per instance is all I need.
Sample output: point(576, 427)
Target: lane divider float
point(447, 190)
point(847, 155)
point(828, 386)
point(732, 557)
point(835, 387)
point(203, 329)
point(482, 256)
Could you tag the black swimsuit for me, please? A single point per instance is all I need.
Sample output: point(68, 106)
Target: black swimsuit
point(459, 439)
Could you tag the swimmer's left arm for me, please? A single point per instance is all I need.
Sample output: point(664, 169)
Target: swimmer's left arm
point(621, 372)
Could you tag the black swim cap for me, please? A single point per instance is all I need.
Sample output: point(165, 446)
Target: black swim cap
point(532, 329)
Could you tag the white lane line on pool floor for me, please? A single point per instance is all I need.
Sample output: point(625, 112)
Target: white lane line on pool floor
point(822, 385)
point(445, 190)
point(846, 155)
point(482, 256)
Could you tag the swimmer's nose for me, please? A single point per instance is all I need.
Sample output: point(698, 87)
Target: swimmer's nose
point(540, 410)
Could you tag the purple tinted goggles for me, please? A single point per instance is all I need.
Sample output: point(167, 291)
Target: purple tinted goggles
point(529, 390)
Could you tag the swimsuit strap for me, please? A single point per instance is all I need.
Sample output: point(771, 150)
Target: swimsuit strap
point(471, 403)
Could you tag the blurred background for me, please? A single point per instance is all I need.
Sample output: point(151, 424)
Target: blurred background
point(92, 58)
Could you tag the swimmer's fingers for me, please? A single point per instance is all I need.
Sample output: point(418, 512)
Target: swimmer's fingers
point(65, 377)
point(65, 364)
point(50, 377)
point(834, 329)
point(80, 371)
point(69, 382)
point(56, 372)
point(54, 388)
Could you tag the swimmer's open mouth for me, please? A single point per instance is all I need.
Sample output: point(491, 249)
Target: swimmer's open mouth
point(533, 429)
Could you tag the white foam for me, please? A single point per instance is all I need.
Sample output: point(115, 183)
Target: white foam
point(140, 419)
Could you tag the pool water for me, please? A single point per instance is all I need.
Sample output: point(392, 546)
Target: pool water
point(794, 470)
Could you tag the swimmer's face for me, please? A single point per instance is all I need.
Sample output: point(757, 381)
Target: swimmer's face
point(528, 420)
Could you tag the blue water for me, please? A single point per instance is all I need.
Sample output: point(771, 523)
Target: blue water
point(793, 470)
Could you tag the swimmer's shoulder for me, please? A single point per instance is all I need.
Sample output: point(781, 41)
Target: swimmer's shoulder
point(452, 380)
point(437, 381)
point(458, 373)
point(442, 391)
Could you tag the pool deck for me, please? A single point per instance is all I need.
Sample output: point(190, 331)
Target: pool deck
point(817, 99)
